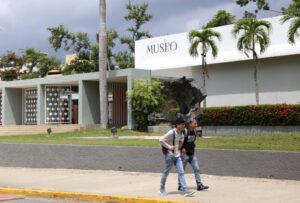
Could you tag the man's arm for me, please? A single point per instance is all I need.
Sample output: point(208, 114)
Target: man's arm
point(167, 138)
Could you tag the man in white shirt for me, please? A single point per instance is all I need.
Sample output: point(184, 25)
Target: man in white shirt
point(171, 143)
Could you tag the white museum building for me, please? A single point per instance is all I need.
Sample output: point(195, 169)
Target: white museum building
point(74, 99)
point(231, 73)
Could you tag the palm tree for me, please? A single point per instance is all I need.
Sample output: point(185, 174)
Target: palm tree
point(203, 41)
point(292, 13)
point(103, 64)
point(252, 32)
point(221, 18)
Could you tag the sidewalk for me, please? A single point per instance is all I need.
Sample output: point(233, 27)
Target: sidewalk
point(145, 185)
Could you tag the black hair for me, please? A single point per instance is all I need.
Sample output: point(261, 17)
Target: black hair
point(178, 121)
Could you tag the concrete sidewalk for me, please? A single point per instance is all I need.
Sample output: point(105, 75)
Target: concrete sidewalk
point(132, 185)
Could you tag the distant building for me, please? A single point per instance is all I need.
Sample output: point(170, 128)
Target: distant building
point(69, 58)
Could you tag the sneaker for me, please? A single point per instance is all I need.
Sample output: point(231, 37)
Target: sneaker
point(202, 187)
point(180, 188)
point(188, 193)
point(163, 192)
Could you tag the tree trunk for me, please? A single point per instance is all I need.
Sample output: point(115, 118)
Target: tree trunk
point(255, 60)
point(203, 79)
point(256, 81)
point(103, 65)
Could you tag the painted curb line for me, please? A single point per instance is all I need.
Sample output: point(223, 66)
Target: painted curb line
point(85, 196)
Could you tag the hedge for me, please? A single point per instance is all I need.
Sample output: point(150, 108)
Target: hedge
point(262, 115)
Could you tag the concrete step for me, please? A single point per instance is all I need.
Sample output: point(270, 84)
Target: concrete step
point(39, 129)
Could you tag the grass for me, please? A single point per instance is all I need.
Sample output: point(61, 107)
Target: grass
point(275, 142)
point(89, 137)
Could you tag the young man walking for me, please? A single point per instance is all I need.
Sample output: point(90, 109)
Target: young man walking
point(188, 151)
point(171, 143)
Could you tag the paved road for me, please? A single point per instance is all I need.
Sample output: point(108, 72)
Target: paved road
point(278, 165)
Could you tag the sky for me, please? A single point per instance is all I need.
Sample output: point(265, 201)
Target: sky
point(24, 23)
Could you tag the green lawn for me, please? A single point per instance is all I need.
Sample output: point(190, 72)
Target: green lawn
point(275, 142)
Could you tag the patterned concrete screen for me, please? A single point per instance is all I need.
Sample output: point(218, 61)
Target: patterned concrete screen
point(31, 106)
point(58, 104)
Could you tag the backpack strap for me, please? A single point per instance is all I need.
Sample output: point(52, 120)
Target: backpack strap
point(185, 132)
point(174, 137)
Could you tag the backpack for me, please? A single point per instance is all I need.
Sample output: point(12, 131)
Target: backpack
point(164, 149)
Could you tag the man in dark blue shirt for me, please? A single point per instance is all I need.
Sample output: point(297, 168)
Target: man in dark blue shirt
point(188, 151)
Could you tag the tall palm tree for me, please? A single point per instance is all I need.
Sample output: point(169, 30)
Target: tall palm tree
point(292, 13)
point(103, 65)
point(203, 41)
point(252, 32)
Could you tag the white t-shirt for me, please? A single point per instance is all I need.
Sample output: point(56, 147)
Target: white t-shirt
point(167, 140)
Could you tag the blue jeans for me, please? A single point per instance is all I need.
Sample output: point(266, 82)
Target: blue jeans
point(170, 160)
point(194, 163)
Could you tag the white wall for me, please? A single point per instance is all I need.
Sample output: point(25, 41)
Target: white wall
point(231, 73)
point(232, 84)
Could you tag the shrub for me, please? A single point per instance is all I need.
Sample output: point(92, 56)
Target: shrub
point(145, 98)
point(263, 115)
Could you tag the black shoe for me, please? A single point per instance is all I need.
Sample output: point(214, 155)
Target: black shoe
point(202, 187)
point(180, 188)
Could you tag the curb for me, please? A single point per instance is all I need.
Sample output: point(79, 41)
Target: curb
point(85, 196)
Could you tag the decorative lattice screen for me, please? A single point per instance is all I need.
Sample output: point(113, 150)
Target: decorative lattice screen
point(58, 104)
point(30, 106)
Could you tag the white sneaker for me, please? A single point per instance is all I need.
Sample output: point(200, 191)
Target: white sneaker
point(188, 193)
point(162, 192)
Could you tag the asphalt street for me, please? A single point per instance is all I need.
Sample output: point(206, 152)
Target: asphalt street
point(261, 164)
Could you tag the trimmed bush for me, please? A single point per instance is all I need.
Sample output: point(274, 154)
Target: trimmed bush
point(262, 115)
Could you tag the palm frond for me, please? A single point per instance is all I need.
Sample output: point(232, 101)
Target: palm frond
point(293, 31)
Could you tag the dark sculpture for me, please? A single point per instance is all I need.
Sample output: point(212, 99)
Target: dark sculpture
point(183, 99)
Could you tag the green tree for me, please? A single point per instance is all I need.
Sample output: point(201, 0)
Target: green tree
point(87, 59)
point(292, 13)
point(138, 14)
point(11, 64)
point(145, 98)
point(112, 35)
point(61, 36)
point(47, 63)
point(83, 63)
point(203, 42)
point(8, 75)
point(252, 33)
point(12, 60)
point(260, 5)
point(124, 59)
point(32, 58)
point(103, 64)
point(79, 43)
point(221, 18)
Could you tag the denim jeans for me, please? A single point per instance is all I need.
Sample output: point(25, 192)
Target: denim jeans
point(171, 160)
point(194, 163)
